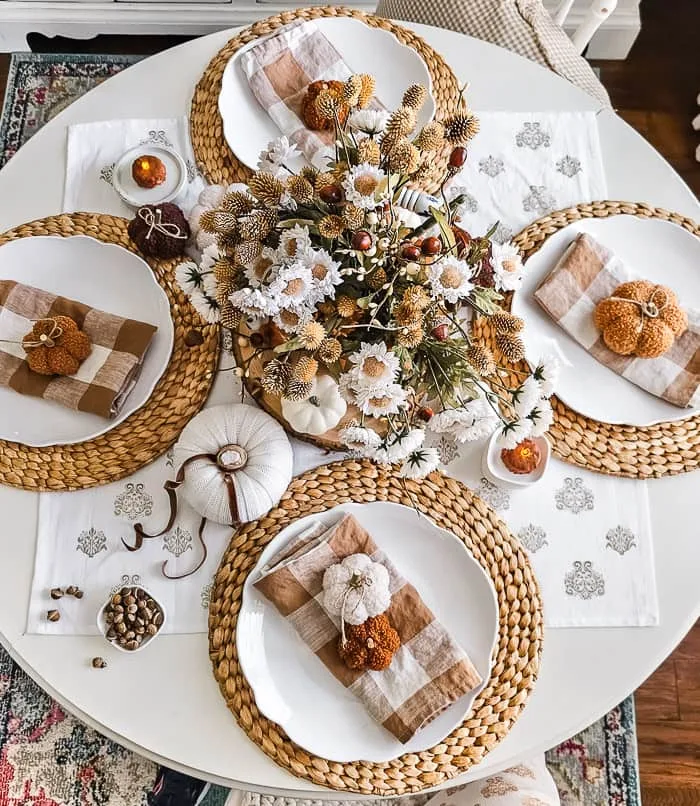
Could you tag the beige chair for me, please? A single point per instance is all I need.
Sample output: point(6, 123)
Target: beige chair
point(523, 26)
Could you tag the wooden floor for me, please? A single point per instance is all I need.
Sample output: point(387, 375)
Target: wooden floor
point(655, 91)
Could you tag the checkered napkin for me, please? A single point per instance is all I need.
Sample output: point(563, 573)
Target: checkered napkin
point(427, 674)
point(586, 274)
point(280, 69)
point(107, 375)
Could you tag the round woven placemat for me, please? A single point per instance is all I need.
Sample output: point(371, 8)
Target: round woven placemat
point(516, 657)
point(152, 429)
point(662, 449)
point(216, 160)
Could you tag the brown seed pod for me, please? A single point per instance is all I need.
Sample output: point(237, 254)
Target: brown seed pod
point(99, 663)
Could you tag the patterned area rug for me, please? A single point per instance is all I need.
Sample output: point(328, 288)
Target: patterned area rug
point(48, 758)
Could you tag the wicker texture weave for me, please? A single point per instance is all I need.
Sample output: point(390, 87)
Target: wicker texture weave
point(215, 159)
point(516, 657)
point(152, 429)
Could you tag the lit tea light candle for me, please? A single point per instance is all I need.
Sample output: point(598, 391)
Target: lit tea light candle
point(148, 171)
point(523, 458)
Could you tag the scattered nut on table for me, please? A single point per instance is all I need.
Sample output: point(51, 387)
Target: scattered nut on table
point(131, 618)
point(74, 590)
point(56, 593)
point(53, 615)
point(99, 663)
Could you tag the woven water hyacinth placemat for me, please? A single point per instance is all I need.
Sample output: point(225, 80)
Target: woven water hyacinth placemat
point(517, 654)
point(662, 449)
point(216, 160)
point(151, 429)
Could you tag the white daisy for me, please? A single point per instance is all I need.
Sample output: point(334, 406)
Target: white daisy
point(359, 440)
point(324, 270)
point(263, 268)
point(292, 286)
point(365, 185)
point(375, 365)
point(279, 152)
point(378, 402)
point(294, 242)
point(205, 306)
point(209, 285)
point(291, 319)
point(507, 266)
point(547, 373)
point(368, 121)
point(253, 302)
point(513, 433)
point(473, 420)
point(211, 196)
point(188, 276)
point(542, 418)
point(347, 387)
point(209, 257)
point(449, 278)
point(420, 463)
point(397, 448)
point(526, 396)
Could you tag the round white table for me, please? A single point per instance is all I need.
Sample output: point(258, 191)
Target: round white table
point(165, 704)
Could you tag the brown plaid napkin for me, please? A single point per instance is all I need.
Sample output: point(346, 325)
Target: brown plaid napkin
point(279, 70)
point(427, 674)
point(104, 379)
point(585, 275)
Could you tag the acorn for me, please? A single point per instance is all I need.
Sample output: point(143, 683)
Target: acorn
point(361, 240)
point(431, 246)
point(425, 413)
point(441, 332)
point(410, 251)
point(331, 194)
point(458, 157)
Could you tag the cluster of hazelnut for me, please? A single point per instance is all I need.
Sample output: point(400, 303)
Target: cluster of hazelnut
point(131, 618)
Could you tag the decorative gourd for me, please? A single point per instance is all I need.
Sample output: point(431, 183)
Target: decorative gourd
point(641, 319)
point(356, 589)
point(321, 411)
point(240, 442)
point(56, 346)
point(370, 645)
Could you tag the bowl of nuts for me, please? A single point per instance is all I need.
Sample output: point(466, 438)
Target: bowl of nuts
point(131, 618)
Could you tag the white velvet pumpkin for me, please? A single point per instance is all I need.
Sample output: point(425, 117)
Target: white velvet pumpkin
point(251, 447)
point(318, 413)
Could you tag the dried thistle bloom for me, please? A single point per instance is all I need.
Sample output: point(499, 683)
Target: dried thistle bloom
point(346, 306)
point(301, 189)
point(511, 347)
point(401, 122)
point(377, 279)
point(505, 322)
point(422, 172)
point(459, 129)
point(354, 217)
point(247, 251)
point(266, 187)
point(238, 203)
point(275, 376)
point(368, 151)
point(312, 335)
point(406, 315)
point(415, 96)
point(481, 358)
point(330, 350)
point(352, 90)
point(404, 158)
point(417, 297)
point(324, 180)
point(218, 221)
point(297, 390)
point(326, 308)
point(431, 137)
point(224, 270)
point(309, 173)
point(256, 225)
point(229, 316)
point(224, 289)
point(327, 103)
point(366, 90)
point(305, 369)
point(411, 336)
point(388, 141)
point(331, 226)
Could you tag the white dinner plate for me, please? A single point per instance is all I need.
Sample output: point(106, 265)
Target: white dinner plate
point(134, 195)
point(293, 688)
point(247, 126)
point(654, 250)
point(102, 275)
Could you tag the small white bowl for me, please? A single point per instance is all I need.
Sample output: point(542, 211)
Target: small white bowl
point(134, 195)
point(494, 469)
point(102, 623)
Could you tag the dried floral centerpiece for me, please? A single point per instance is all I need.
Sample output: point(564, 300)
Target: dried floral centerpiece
point(332, 275)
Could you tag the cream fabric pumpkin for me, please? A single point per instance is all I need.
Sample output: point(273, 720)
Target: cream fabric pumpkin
point(247, 444)
point(321, 411)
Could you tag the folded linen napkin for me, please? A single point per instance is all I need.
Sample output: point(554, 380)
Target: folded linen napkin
point(107, 375)
point(279, 70)
point(587, 273)
point(429, 671)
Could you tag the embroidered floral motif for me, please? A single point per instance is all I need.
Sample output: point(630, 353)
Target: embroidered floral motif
point(620, 539)
point(574, 496)
point(521, 771)
point(531, 800)
point(157, 137)
point(533, 537)
point(178, 541)
point(584, 581)
point(226, 340)
point(469, 203)
point(170, 457)
point(497, 786)
point(128, 581)
point(107, 173)
point(569, 166)
point(532, 136)
point(539, 200)
point(447, 448)
point(192, 171)
point(491, 166)
point(502, 233)
point(91, 542)
point(496, 497)
point(133, 502)
point(205, 595)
